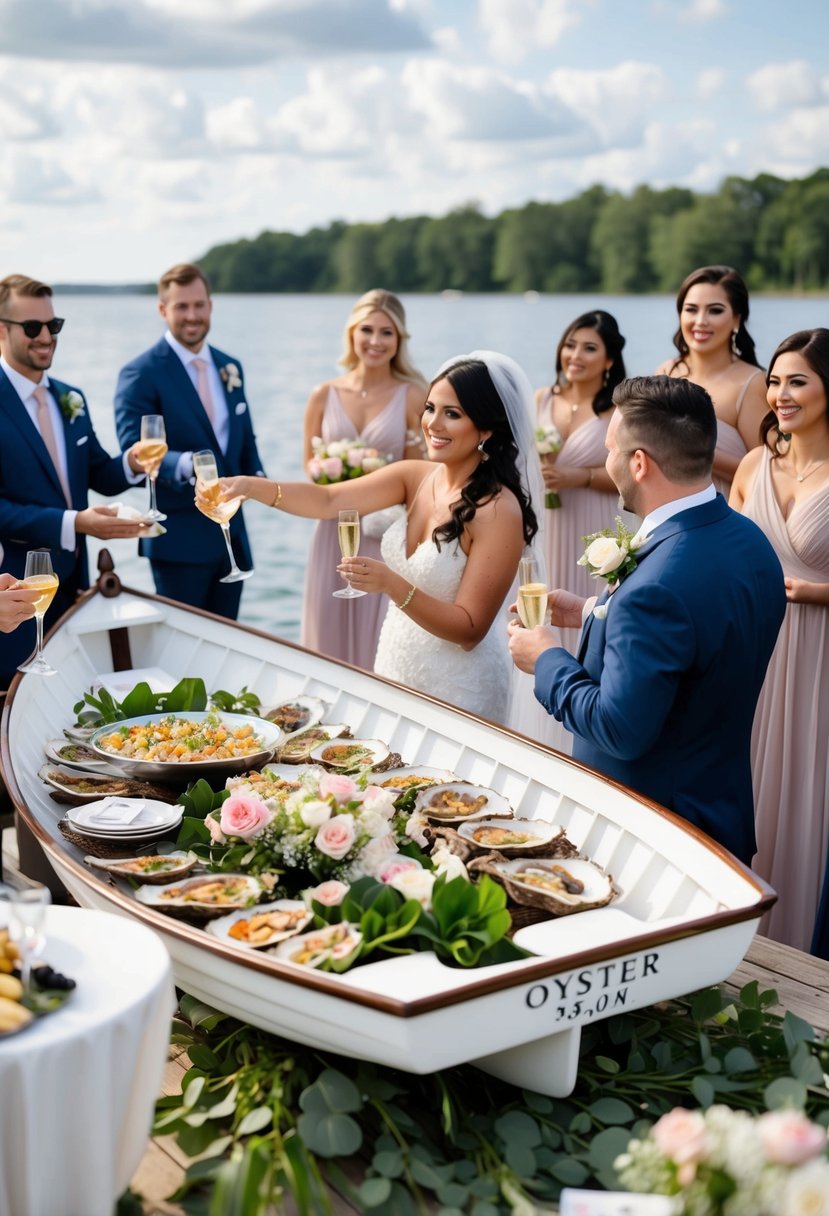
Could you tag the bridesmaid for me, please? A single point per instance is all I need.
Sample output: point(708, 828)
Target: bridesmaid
point(378, 400)
point(784, 487)
point(716, 351)
point(579, 404)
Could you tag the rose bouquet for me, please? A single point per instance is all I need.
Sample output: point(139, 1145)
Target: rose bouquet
point(316, 828)
point(342, 460)
point(548, 443)
point(724, 1162)
point(611, 555)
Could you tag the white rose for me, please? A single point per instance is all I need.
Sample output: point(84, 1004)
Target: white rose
point(338, 448)
point(605, 554)
point(416, 826)
point(372, 463)
point(375, 823)
point(448, 863)
point(636, 542)
point(314, 813)
point(378, 800)
point(600, 612)
point(414, 884)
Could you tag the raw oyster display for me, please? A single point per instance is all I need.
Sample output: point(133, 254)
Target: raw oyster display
point(559, 887)
point(459, 801)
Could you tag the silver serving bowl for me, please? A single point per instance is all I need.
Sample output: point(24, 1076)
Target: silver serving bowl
point(269, 735)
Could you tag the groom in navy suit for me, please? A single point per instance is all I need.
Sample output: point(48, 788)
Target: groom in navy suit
point(200, 393)
point(662, 694)
point(50, 458)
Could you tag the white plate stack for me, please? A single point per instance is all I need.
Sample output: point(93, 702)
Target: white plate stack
point(124, 819)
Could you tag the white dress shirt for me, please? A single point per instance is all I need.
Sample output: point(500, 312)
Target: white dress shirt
point(25, 389)
point(221, 417)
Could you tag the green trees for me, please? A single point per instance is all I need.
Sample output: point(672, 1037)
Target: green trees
point(775, 232)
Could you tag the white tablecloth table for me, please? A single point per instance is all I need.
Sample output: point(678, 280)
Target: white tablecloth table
point(77, 1087)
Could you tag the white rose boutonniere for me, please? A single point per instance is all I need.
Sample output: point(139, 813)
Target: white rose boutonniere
point(611, 555)
point(71, 405)
point(231, 376)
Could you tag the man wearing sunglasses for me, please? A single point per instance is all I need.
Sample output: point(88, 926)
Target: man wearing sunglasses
point(200, 393)
point(50, 459)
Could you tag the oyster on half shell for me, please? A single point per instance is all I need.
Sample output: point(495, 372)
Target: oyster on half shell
point(298, 747)
point(297, 714)
point(559, 887)
point(459, 802)
point(207, 895)
point(348, 755)
point(533, 837)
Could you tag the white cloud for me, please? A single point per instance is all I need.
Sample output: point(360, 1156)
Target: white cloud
point(798, 144)
point(710, 82)
point(704, 10)
point(779, 86)
point(617, 102)
point(516, 27)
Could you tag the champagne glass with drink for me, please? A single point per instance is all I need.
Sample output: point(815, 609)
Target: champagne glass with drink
point(220, 510)
point(39, 576)
point(28, 910)
point(152, 448)
point(532, 589)
point(348, 534)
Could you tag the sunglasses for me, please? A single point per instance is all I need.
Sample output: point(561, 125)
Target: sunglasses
point(32, 328)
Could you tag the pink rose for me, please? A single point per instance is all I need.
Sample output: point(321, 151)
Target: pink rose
point(398, 865)
point(341, 789)
point(789, 1138)
point(314, 468)
point(217, 836)
point(329, 893)
point(332, 467)
point(354, 457)
point(336, 836)
point(375, 798)
point(681, 1136)
point(244, 816)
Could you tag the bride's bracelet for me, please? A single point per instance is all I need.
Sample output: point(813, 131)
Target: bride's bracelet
point(405, 602)
point(277, 498)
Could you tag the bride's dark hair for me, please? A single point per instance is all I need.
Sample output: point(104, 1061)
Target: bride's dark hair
point(479, 399)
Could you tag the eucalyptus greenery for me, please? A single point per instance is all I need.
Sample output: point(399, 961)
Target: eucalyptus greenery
point(271, 1119)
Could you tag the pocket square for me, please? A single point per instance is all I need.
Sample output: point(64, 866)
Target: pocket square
point(83, 439)
point(241, 407)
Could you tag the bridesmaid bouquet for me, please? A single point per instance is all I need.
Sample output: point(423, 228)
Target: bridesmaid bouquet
point(722, 1161)
point(548, 443)
point(342, 460)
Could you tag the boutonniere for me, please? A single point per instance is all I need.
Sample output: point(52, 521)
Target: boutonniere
point(611, 555)
point(71, 405)
point(230, 374)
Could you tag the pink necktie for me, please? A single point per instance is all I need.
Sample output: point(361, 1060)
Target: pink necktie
point(203, 387)
point(47, 434)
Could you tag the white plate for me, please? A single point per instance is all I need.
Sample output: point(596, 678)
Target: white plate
point(153, 817)
point(148, 836)
point(221, 927)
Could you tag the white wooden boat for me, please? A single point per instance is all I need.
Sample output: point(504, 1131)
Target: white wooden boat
point(685, 918)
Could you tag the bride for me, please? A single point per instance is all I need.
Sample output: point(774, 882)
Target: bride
point(449, 563)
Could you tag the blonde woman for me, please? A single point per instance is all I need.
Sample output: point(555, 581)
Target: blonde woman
point(716, 351)
point(378, 401)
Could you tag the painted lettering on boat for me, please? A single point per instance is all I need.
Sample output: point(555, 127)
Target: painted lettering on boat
point(594, 990)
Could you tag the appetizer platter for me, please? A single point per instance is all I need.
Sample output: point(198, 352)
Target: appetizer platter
point(681, 910)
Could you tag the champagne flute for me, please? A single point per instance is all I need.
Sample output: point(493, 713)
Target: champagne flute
point(152, 448)
point(221, 511)
point(532, 589)
point(28, 909)
point(348, 534)
point(40, 576)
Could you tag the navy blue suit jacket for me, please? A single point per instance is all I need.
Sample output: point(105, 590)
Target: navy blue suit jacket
point(158, 383)
point(32, 503)
point(663, 693)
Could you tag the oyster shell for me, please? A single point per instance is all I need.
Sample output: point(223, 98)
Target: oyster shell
point(335, 944)
point(527, 837)
point(298, 747)
point(206, 895)
point(349, 755)
point(81, 786)
point(459, 802)
point(415, 777)
point(148, 867)
point(264, 925)
point(71, 754)
point(297, 715)
point(559, 887)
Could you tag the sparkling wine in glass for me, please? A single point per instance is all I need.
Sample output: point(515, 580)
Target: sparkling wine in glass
point(28, 910)
point(212, 505)
point(532, 590)
point(39, 576)
point(152, 448)
point(348, 534)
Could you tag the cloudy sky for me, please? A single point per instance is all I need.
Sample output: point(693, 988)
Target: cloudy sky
point(136, 133)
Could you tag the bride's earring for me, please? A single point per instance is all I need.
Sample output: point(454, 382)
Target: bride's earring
point(484, 454)
point(735, 350)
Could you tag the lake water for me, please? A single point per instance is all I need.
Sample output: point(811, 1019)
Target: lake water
point(287, 344)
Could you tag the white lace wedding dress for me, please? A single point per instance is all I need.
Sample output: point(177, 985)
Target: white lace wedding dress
point(477, 680)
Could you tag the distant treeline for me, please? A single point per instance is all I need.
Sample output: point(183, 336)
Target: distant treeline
point(775, 232)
